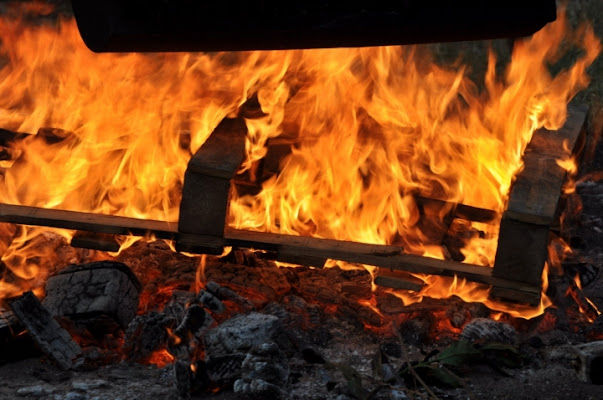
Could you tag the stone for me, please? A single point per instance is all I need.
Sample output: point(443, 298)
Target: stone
point(35, 391)
point(590, 362)
point(89, 385)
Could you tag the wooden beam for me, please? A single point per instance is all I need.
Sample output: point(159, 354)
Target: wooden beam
point(96, 241)
point(83, 221)
point(206, 190)
point(537, 187)
point(534, 204)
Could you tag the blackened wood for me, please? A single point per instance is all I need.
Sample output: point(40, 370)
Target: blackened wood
point(458, 210)
point(52, 339)
point(189, 25)
point(9, 324)
point(398, 280)
point(534, 204)
point(206, 190)
point(95, 241)
point(99, 288)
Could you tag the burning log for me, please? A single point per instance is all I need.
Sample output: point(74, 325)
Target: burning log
point(534, 205)
point(96, 241)
point(206, 190)
point(89, 290)
point(50, 337)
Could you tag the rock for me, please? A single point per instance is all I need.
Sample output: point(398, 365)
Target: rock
point(36, 391)
point(89, 385)
point(590, 362)
point(482, 330)
point(75, 396)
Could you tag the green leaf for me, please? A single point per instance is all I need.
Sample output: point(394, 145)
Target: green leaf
point(501, 354)
point(458, 354)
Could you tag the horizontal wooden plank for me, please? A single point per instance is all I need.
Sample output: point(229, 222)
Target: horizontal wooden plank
point(378, 255)
point(83, 221)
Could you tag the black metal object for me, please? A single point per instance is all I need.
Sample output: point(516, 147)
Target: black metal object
point(197, 25)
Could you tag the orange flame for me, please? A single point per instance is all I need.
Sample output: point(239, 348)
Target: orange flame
point(372, 129)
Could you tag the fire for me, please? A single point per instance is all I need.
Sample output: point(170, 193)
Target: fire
point(373, 129)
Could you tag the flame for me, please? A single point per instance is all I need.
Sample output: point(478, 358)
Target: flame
point(161, 358)
point(372, 130)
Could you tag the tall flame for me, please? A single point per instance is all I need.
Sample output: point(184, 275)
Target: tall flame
point(372, 129)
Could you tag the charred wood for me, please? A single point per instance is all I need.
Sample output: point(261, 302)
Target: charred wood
point(51, 338)
point(100, 288)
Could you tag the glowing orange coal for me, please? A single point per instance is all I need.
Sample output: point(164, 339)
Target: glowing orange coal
point(374, 128)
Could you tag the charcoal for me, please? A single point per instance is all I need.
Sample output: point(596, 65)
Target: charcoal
point(103, 287)
point(241, 333)
point(211, 302)
point(146, 334)
point(225, 369)
point(183, 376)
point(227, 345)
point(191, 330)
point(224, 293)
point(482, 330)
point(178, 303)
point(258, 389)
point(268, 363)
point(15, 343)
point(50, 337)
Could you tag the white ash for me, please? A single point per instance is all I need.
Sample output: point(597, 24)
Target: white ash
point(482, 330)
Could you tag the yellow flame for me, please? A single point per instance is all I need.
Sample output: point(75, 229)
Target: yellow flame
point(372, 130)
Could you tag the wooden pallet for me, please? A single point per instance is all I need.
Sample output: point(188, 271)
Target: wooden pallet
point(211, 177)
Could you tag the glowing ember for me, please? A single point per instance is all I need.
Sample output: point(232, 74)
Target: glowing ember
point(373, 129)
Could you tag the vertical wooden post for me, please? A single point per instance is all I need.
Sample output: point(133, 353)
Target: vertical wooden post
point(207, 183)
point(534, 207)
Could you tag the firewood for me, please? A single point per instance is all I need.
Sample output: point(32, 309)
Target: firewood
point(534, 205)
point(206, 189)
point(50, 337)
point(99, 288)
point(95, 241)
